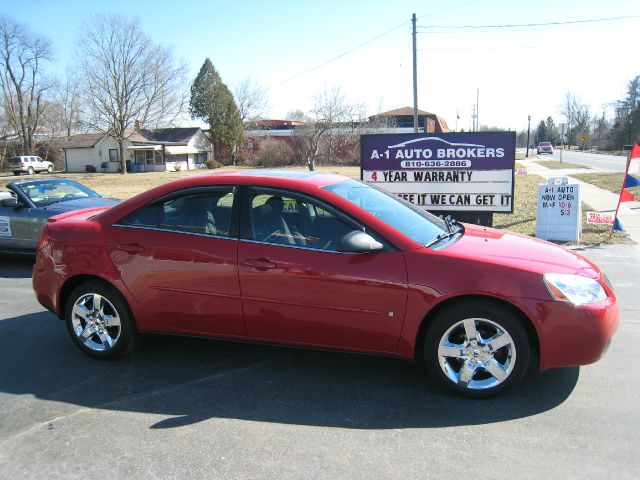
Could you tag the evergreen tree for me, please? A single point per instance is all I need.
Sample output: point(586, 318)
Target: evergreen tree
point(212, 102)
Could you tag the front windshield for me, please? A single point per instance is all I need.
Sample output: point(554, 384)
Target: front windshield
point(47, 192)
point(417, 224)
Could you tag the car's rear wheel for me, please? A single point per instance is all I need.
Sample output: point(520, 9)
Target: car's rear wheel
point(99, 322)
point(30, 171)
point(16, 173)
point(478, 349)
point(50, 169)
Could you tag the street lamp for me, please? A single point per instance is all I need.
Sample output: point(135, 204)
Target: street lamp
point(528, 131)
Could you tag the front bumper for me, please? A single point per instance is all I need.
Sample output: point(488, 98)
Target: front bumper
point(572, 335)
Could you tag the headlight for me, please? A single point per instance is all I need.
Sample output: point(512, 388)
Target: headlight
point(575, 289)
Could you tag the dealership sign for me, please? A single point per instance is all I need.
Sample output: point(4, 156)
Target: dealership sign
point(559, 213)
point(444, 171)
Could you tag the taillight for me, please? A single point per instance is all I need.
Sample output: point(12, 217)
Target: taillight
point(45, 239)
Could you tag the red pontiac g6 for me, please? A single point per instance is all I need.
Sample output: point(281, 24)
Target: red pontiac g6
point(322, 261)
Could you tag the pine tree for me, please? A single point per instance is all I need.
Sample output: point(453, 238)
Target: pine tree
point(212, 101)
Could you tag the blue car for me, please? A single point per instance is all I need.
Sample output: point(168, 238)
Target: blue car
point(26, 205)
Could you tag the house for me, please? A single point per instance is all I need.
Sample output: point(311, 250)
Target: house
point(261, 130)
point(402, 118)
point(146, 150)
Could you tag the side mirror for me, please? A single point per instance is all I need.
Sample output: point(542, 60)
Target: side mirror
point(359, 242)
point(11, 203)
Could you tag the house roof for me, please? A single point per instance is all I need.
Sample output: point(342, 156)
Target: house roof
point(401, 112)
point(83, 140)
point(168, 135)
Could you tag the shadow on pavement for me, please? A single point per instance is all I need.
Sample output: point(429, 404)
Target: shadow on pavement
point(191, 380)
point(16, 266)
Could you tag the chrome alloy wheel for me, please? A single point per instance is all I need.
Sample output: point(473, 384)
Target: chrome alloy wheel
point(96, 322)
point(476, 353)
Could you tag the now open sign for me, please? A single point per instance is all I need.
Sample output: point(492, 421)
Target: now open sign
point(559, 213)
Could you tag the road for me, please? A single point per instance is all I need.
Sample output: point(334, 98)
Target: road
point(192, 409)
point(616, 163)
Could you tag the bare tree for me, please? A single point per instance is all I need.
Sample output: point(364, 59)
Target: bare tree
point(22, 55)
point(331, 130)
point(126, 78)
point(578, 116)
point(67, 105)
point(296, 115)
point(251, 99)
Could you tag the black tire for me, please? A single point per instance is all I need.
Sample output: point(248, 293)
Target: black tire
point(464, 370)
point(50, 169)
point(30, 171)
point(96, 326)
point(16, 174)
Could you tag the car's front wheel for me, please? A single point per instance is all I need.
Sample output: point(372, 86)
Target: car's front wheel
point(30, 170)
point(50, 169)
point(478, 349)
point(99, 322)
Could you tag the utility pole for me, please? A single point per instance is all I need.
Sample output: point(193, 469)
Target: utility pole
point(477, 109)
point(415, 77)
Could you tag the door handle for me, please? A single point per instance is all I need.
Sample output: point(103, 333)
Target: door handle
point(261, 264)
point(131, 247)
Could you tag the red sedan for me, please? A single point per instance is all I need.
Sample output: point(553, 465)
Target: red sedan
point(322, 261)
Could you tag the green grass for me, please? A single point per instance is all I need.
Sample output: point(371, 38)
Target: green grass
point(556, 165)
point(523, 218)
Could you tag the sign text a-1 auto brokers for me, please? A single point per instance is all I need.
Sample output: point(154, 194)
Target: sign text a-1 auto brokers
point(444, 171)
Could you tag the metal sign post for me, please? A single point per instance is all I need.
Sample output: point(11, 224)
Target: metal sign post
point(562, 125)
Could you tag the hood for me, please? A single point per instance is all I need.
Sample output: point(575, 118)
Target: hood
point(79, 203)
point(519, 251)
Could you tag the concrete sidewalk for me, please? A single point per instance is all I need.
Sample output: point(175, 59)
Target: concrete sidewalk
point(599, 199)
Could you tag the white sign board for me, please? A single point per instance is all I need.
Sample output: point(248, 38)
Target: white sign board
point(5, 227)
point(600, 218)
point(559, 215)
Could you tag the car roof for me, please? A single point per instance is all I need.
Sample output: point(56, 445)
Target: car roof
point(296, 177)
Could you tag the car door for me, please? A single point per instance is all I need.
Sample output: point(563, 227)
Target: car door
point(177, 257)
point(14, 230)
point(296, 286)
point(20, 225)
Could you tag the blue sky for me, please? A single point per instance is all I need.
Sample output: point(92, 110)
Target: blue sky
point(519, 71)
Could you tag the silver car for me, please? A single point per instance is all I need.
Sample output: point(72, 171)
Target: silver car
point(26, 205)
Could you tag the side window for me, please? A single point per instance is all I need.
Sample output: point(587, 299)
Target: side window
point(295, 221)
point(207, 213)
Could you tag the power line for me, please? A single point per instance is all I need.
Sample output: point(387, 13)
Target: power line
point(377, 37)
point(520, 25)
point(338, 57)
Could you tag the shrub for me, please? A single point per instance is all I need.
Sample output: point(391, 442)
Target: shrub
point(274, 153)
point(211, 164)
point(90, 169)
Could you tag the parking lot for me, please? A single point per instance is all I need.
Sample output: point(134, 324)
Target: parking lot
point(193, 408)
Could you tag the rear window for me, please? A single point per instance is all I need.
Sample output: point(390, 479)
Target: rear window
point(545, 144)
point(14, 160)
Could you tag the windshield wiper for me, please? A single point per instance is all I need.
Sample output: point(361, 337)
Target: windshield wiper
point(453, 228)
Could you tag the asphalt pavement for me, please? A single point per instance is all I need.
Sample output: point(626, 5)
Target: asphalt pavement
point(613, 163)
point(191, 409)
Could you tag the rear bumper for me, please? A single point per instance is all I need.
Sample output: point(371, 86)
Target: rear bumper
point(46, 282)
point(572, 335)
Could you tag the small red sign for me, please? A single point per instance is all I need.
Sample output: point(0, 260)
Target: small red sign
point(600, 218)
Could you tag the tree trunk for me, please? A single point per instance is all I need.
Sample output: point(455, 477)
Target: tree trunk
point(123, 162)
